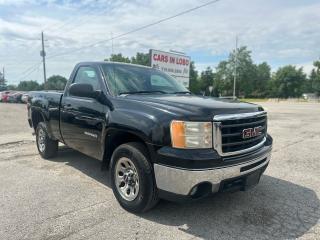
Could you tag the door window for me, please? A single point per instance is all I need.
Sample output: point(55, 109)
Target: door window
point(87, 75)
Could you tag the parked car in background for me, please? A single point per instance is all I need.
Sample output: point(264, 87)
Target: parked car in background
point(14, 97)
point(10, 98)
point(4, 96)
point(25, 97)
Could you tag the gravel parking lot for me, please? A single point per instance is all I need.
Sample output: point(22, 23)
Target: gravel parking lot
point(69, 197)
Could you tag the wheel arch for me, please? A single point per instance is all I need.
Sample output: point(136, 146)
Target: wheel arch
point(115, 138)
point(36, 118)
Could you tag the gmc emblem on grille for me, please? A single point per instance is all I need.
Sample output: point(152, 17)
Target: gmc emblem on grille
point(251, 132)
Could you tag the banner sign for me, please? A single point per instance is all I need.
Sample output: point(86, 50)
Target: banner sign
point(176, 65)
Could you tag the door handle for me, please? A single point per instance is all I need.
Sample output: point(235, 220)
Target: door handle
point(67, 107)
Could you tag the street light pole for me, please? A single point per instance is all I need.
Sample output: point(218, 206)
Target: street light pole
point(235, 69)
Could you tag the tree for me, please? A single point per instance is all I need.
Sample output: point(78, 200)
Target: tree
point(223, 80)
point(250, 77)
point(263, 76)
point(206, 80)
point(246, 71)
point(28, 86)
point(252, 80)
point(141, 59)
point(315, 78)
point(11, 87)
point(288, 82)
point(118, 58)
point(2, 82)
point(55, 82)
point(194, 85)
point(307, 86)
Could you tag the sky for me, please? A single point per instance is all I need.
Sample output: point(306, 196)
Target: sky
point(279, 32)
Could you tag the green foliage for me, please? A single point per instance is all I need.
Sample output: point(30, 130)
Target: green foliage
point(252, 80)
point(194, 85)
point(288, 82)
point(315, 78)
point(28, 86)
point(118, 58)
point(140, 58)
point(11, 87)
point(263, 75)
point(55, 82)
point(206, 81)
point(246, 71)
point(3, 81)
point(223, 81)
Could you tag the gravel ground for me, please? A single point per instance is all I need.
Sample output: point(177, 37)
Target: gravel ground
point(69, 197)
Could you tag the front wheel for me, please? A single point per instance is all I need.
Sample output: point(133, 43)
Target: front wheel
point(132, 178)
point(47, 147)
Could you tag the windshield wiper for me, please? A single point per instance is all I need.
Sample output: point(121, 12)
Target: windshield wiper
point(182, 92)
point(141, 92)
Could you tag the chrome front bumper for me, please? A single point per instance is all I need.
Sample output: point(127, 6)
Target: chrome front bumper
point(181, 181)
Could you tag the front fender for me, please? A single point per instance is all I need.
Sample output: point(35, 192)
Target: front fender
point(146, 126)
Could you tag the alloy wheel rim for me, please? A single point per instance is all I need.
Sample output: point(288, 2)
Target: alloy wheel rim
point(127, 179)
point(41, 140)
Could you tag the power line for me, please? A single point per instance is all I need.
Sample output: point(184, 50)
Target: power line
point(38, 73)
point(68, 29)
point(80, 19)
point(29, 70)
point(136, 30)
point(57, 26)
point(32, 68)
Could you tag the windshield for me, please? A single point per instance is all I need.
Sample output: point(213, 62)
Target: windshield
point(127, 79)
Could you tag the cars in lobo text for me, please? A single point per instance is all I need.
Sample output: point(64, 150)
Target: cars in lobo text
point(157, 139)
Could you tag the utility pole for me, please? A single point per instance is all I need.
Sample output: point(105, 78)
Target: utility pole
point(235, 69)
point(43, 55)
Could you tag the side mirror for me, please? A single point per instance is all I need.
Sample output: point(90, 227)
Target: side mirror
point(82, 90)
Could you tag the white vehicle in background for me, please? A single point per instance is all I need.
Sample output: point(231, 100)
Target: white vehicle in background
point(24, 98)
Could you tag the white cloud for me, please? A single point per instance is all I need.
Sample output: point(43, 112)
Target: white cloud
point(279, 32)
point(307, 67)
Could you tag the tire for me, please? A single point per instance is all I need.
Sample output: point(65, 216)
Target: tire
point(47, 147)
point(145, 194)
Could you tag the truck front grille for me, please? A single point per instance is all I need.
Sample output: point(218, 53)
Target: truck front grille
point(229, 136)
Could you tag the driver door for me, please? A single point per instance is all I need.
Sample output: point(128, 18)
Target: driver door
point(82, 119)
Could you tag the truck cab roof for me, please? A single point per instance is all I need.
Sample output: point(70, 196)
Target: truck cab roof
point(97, 63)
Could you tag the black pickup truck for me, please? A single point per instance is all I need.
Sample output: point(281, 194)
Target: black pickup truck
point(156, 138)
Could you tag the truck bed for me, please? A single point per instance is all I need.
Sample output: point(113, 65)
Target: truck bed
point(48, 102)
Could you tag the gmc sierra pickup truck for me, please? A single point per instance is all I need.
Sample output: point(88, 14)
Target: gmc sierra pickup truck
point(156, 139)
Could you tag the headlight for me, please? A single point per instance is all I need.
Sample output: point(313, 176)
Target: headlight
point(191, 134)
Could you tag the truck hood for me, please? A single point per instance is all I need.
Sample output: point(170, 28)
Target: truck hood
point(193, 107)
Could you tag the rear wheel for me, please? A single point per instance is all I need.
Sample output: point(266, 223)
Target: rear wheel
point(132, 178)
point(47, 147)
